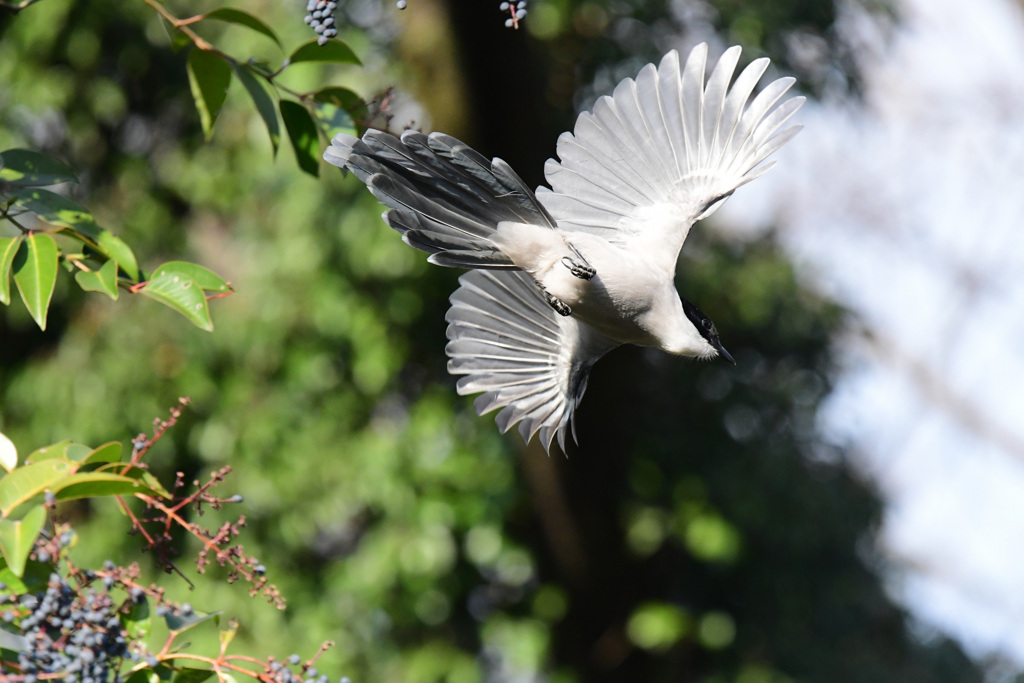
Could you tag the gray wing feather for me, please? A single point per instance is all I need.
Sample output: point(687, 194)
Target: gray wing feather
point(507, 342)
point(444, 198)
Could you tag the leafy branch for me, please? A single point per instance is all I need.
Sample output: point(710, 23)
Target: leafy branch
point(307, 116)
point(61, 620)
point(98, 260)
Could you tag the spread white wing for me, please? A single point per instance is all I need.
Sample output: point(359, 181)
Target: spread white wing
point(508, 343)
point(664, 151)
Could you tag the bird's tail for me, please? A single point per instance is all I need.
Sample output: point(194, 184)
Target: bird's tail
point(443, 197)
point(510, 345)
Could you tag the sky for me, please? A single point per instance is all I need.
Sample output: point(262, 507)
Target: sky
point(909, 210)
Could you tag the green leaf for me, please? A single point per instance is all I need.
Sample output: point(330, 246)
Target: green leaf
point(146, 675)
point(263, 101)
point(204, 277)
point(333, 120)
point(35, 273)
point(183, 295)
point(56, 209)
point(17, 538)
point(237, 16)
point(102, 280)
point(57, 450)
point(341, 97)
point(76, 452)
point(183, 622)
point(64, 213)
point(332, 51)
point(137, 620)
point(8, 248)
point(35, 577)
point(147, 478)
point(116, 250)
point(8, 453)
point(302, 133)
point(93, 484)
point(108, 452)
point(209, 77)
point(191, 675)
point(25, 167)
point(29, 481)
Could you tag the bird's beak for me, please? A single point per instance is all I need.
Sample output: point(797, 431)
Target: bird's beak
point(725, 354)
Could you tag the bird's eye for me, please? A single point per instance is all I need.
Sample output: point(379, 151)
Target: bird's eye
point(706, 322)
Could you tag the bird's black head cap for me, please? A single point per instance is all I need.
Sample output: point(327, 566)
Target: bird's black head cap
point(706, 328)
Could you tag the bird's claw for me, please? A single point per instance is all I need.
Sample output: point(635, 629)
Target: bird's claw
point(581, 270)
point(561, 308)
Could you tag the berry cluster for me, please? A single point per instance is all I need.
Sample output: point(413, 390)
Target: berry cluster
point(321, 18)
point(516, 11)
point(75, 634)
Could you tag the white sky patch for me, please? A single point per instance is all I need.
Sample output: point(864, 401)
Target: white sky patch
point(910, 211)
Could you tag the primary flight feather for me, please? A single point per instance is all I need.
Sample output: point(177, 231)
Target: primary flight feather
point(561, 277)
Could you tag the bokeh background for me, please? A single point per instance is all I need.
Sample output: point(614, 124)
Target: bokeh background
point(846, 504)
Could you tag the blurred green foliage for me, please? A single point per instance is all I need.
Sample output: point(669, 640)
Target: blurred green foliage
point(701, 530)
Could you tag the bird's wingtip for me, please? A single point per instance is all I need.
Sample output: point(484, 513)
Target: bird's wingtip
point(340, 149)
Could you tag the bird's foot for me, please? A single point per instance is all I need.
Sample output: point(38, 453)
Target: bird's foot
point(561, 308)
point(581, 270)
point(578, 266)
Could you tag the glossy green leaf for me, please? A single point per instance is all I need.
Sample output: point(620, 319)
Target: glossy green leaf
point(57, 450)
point(341, 97)
point(8, 453)
point(183, 295)
point(103, 279)
point(108, 452)
point(77, 452)
point(237, 16)
point(92, 484)
point(138, 474)
point(17, 538)
point(8, 248)
point(35, 273)
point(191, 675)
point(150, 481)
point(25, 167)
point(183, 622)
point(137, 621)
point(35, 576)
point(78, 223)
point(204, 277)
point(332, 51)
point(148, 675)
point(29, 481)
point(116, 250)
point(303, 136)
point(263, 101)
point(209, 77)
point(332, 120)
point(56, 209)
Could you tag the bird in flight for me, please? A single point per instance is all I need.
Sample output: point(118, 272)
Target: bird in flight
point(560, 276)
